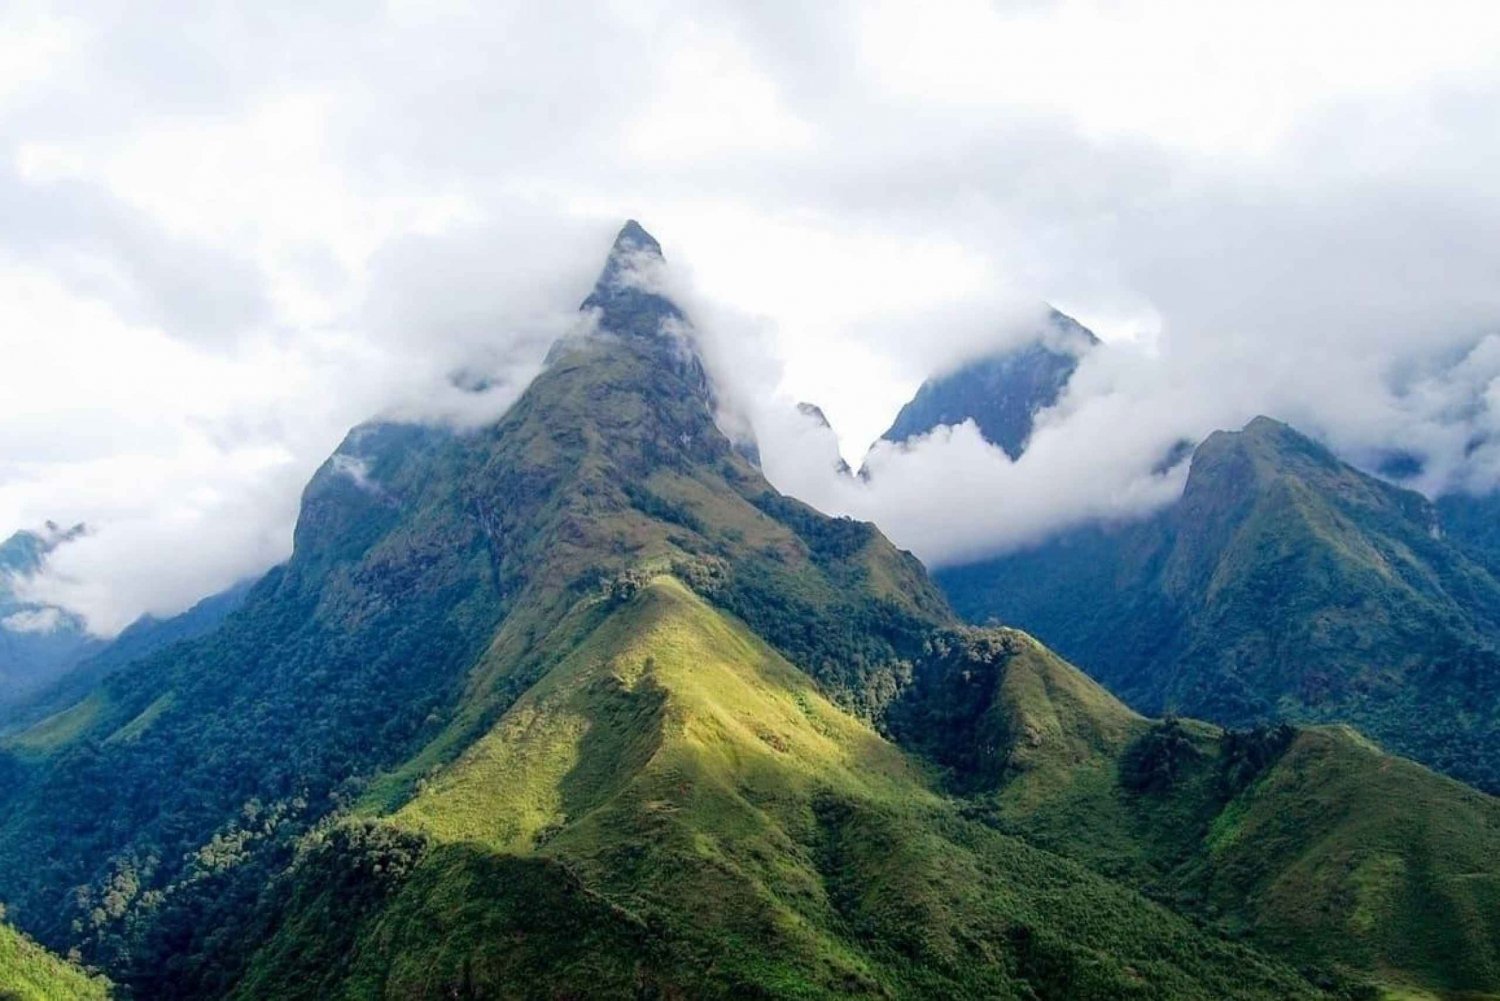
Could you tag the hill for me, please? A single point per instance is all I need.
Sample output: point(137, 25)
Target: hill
point(1310, 843)
point(1284, 584)
point(677, 809)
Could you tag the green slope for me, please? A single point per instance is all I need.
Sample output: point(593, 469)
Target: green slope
point(1312, 844)
point(1283, 584)
point(141, 824)
point(30, 973)
point(684, 797)
point(142, 638)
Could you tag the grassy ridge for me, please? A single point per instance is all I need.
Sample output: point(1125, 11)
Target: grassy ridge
point(691, 804)
point(30, 973)
point(1312, 843)
point(1373, 862)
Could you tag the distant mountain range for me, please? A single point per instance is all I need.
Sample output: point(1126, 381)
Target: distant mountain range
point(38, 642)
point(578, 705)
point(145, 636)
point(47, 655)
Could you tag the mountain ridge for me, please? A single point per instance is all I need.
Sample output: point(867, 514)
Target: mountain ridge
point(1282, 584)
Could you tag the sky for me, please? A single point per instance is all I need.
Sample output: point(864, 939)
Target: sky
point(232, 231)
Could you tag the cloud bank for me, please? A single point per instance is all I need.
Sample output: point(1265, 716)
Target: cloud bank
point(234, 232)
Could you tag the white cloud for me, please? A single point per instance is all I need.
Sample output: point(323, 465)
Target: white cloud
point(1206, 77)
point(233, 232)
point(35, 620)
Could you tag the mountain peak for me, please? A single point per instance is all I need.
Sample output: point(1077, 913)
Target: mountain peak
point(633, 238)
point(1270, 439)
point(815, 412)
point(1232, 464)
point(630, 294)
point(1262, 426)
point(1003, 391)
point(24, 551)
point(633, 262)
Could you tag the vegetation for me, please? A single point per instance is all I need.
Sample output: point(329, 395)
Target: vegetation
point(1311, 844)
point(676, 806)
point(1283, 585)
point(30, 973)
point(142, 638)
point(423, 597)
point(577, 705)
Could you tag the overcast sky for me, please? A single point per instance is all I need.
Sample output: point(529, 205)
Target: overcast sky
point(230, 232)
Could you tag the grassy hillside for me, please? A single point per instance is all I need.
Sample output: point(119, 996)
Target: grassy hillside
point(1284, 584)
point(1312, 844)
point(689, 802)
point(30, 973)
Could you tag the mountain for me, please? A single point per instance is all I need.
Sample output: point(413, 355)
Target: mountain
point(30, 973)
point(576, 704)
point(718, 828)
point(1310, 842)
point(1283, 584)
point(142, 637)
point(38, 642)
point(1003, 392)
point(1471, 522)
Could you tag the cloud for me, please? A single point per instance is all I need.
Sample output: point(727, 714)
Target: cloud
point(33, 620)
point(105, 249)
point(233, 235)
point(950, 496)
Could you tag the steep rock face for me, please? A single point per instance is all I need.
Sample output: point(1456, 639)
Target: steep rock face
point(815, 413)
point(1001, 393)
point(1283, 584)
